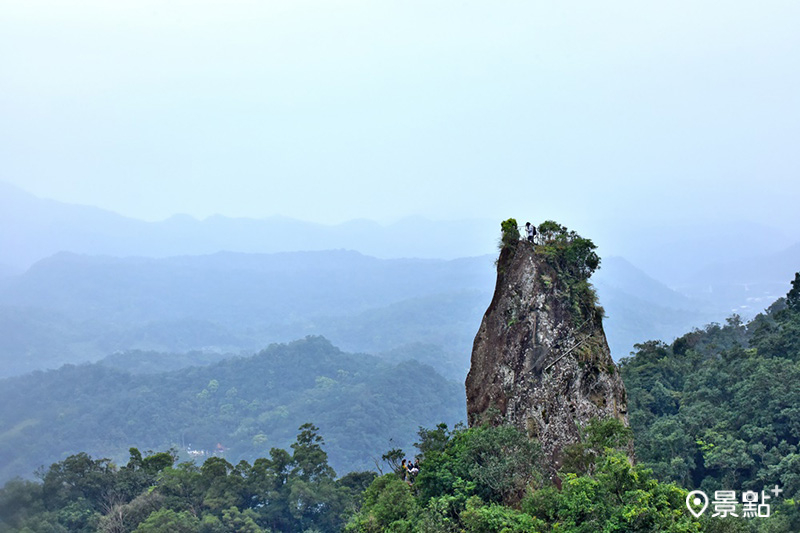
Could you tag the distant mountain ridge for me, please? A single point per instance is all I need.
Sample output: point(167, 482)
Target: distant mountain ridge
point(33, 228)
point(735, 266)
point(233, 287)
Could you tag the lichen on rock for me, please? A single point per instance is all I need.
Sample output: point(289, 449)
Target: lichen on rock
point(540, 360)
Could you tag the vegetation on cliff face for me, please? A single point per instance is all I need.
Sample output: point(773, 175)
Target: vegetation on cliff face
point(572, 258)
point(566, 251)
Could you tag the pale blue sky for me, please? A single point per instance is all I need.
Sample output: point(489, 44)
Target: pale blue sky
point(586, 112)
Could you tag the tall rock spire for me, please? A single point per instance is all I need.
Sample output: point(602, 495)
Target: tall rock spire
point(540, 360)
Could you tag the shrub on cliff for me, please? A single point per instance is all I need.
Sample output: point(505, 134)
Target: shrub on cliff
point(574, 259)
point(568, 252)
point(509, 233)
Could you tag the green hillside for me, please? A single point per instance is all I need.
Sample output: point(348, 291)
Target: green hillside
point(244, 406)
point(719, 408)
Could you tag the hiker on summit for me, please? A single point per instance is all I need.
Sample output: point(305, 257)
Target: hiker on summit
point(531, 229)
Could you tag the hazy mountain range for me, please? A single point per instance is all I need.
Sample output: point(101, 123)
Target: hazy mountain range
point(78, 283)
point(32, 229)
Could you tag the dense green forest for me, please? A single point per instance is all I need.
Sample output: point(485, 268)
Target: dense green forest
point(485, 479)
point(720, 407)
point(240, 406)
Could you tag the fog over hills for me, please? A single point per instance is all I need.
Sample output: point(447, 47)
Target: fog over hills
point(78, 283)
point(745, 285)
point(72, 308)
point(234, 287)
point(674, 250)
point(681, 254)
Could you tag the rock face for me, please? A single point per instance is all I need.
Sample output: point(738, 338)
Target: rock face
point(538, 361)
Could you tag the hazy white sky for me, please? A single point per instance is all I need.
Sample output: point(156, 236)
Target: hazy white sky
point(333, 110)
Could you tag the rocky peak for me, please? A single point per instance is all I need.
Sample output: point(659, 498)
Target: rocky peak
point(540, 359)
